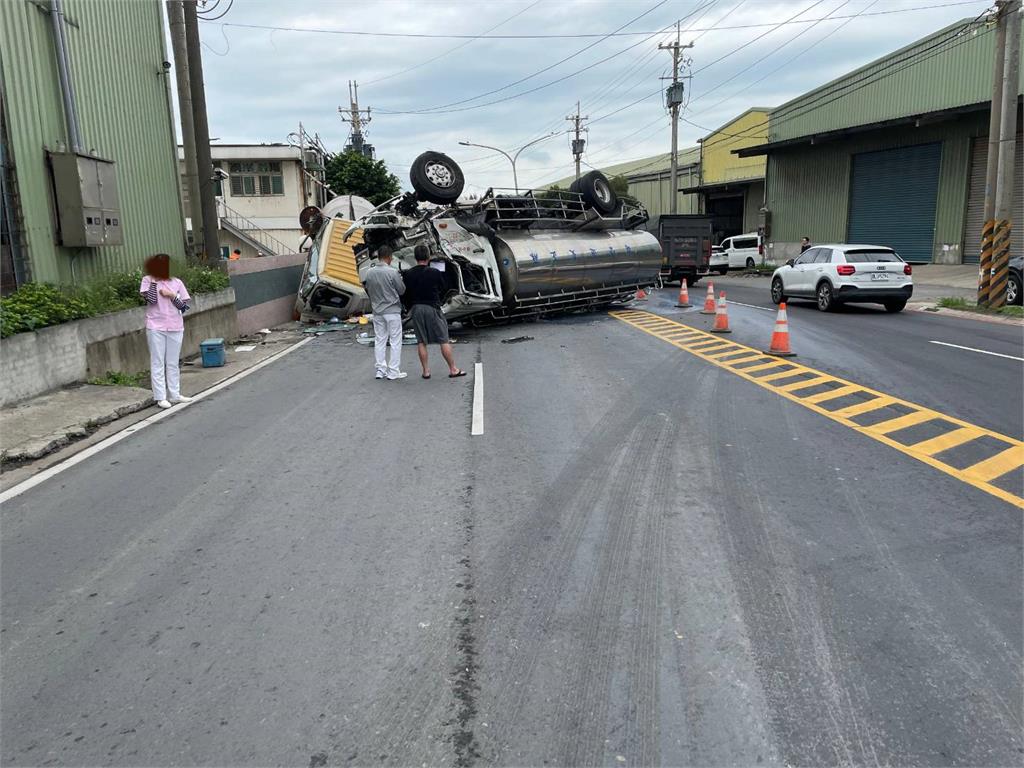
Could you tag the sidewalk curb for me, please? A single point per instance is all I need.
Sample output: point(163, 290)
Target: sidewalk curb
point(32, 452)
point(934, 309)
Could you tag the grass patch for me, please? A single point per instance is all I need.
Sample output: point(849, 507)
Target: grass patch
point(118, 379)
point(955, 302)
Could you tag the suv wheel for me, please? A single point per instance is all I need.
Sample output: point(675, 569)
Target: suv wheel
point(826, 299)
point(778, 291)
point(896, 305)
point(1013, 294)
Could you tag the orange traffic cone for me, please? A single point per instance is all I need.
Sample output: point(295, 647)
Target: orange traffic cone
point(684, 295)
point(709, 301)
point(721, 316)
point(641, 295)
point(780, 336)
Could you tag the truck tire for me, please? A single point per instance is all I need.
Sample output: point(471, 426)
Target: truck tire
point(596, 192)
point(436, 178)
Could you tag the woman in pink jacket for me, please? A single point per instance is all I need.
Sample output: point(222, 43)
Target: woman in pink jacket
point(166, 301)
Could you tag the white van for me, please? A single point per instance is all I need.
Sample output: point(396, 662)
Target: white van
point(742, 251)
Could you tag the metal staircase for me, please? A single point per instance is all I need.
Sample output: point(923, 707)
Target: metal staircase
point(249, 232)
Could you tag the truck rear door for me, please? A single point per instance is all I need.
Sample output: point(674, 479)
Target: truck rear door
point(686, 244)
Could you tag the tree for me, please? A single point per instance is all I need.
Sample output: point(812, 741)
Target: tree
point(351, 173)
point(619, 185)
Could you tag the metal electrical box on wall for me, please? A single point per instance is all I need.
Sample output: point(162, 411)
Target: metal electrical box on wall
point(88, 208)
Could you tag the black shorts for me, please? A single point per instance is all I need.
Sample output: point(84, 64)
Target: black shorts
point(429, 324)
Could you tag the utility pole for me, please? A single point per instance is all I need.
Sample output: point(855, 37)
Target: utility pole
point(176, 21)
point(577, 143)
point(1007, 149)
point(354, 116)
point(201, 127)
point(674, 98)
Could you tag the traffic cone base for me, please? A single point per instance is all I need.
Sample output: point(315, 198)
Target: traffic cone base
point(684, 295)
point(709, 301)
point(721, 316)
point(641, 295)
point(780, 335)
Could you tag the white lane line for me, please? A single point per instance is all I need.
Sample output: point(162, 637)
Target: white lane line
point(92, 450)
point(752, 306)
point(979, 351)
point(478, 399)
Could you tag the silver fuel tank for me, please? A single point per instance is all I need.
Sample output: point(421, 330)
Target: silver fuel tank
point(537, 263)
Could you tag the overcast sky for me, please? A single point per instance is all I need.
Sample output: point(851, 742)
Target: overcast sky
point(260, 82)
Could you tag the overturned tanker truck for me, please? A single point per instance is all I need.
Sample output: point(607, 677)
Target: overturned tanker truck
point(505, 256)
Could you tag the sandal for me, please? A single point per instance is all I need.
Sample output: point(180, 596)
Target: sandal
point(425, 375)
point(456, 375)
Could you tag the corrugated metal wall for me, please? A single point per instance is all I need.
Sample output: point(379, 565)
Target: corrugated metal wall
point(655, 191)
point(809, 186)
point(117, 50)
point(942, 71)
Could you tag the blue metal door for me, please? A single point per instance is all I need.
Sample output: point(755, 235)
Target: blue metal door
point(892, 199)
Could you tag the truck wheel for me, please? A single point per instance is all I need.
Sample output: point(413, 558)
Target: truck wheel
point(596, 192)
point(436, 178)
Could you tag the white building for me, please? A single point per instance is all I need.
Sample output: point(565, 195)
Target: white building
point(259, 201)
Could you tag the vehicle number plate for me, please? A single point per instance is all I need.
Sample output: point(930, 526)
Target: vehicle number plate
point(879, 275)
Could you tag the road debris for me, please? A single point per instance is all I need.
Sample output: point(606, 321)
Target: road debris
point(517, 339)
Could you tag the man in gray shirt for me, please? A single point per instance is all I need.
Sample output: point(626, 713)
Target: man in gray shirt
point(384, 286)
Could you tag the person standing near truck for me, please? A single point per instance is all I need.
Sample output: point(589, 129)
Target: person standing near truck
point(805, 243)
point(425, 289)
point(384, 287)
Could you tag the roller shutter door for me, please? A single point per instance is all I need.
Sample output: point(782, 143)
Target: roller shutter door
point(976, 200)
point(892, 199)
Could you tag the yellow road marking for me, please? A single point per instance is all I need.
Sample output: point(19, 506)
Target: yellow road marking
point(783, 375)
point(730, 350)
point(900, 422)
point(947, 441)
point(832, 394)
point(871, 405)
point(1000, 464)
point(804, 384)
point(766, 366)
point(961, 432)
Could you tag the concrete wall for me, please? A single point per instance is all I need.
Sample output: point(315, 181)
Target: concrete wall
point(265, 289)
point(50, 358)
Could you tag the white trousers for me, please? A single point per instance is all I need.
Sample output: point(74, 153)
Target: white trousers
point(387, 329)
point(164, 351)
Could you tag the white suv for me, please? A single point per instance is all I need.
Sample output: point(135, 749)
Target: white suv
point(836, 274)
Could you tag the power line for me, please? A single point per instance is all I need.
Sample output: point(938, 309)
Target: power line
point(578, 35)
point(452, 50)
point(778, 26)
point(447, 107)
point(787, 62)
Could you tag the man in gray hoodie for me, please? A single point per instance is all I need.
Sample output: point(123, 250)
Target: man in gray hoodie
point(384, 286)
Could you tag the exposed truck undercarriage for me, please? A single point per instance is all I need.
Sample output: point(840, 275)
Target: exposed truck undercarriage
point(505, 256)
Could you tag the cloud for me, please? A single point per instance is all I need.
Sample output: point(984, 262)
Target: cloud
point(261, 83)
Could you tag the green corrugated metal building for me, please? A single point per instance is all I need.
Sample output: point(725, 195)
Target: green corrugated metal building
point(893, 153)
point(117, 54)
point(649, 180)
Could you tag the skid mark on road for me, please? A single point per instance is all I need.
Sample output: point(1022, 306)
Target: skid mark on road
point(980, 457)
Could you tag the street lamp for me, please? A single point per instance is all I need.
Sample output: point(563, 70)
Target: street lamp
point(511, 158)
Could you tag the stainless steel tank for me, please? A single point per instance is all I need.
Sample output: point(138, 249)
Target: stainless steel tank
point(544, 262)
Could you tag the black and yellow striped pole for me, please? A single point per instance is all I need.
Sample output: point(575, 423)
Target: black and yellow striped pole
point(999, 272)
point(1000, 268)
point(985, 263)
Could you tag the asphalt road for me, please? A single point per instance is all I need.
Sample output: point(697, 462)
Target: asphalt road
point(644, 560)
